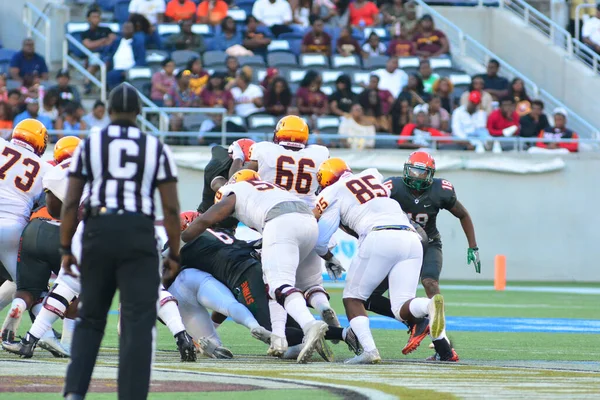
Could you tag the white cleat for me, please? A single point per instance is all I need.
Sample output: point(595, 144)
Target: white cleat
point(330, 317)
point(312, 336)
point(293, 352)
point(278, 346)
point(437, 320)
point(212, 349)
point(367, 357)
point(261, 334)
point(53, 345)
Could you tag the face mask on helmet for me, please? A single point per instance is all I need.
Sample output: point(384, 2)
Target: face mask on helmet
point(418, 178)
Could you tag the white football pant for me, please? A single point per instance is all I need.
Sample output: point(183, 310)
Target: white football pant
point(10, 237)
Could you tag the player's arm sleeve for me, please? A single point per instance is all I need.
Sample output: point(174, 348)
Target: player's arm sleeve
point(167, 169)
point(79, 164)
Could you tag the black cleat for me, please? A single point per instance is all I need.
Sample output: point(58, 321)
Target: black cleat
point(352, 342)
point(24, 348)
point(443, 351)
point(417, 332)
point(186, 346)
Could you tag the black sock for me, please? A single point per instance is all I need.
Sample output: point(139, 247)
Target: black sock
point(293, 336)
point(380, 305)
point(334, 333)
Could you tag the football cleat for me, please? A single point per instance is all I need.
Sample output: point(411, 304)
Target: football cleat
point(443, 351)
point(437, 320)
point(65, 147)
point(278, 346)
point(186, 347)
point(291, 131)
point(331, 170)
point(212, 349)
point(324, 350)
point(313, 335)
point(417, 332)
point(293, 352)
point(331, 319)
point(24, 348)
point(367, 357)
point(54, 346)
point(261, 334)
point(452, 358)
point(352, 341)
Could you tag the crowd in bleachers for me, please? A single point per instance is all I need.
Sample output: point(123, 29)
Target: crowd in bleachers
point(355, 68)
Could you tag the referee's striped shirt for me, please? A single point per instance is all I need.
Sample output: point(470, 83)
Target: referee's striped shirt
point(123, 167)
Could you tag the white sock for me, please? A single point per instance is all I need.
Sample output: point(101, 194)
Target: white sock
point(13, 318)
point(48, 335)
point(442, 336)
point(169, 314)
point(278, 318)
point(67, 332)
point(295, 305)
point(360, 326)
point(418, 307)
point(36, 308)
point(240, 314)
point(7, 291)
point(319, 301)
point(43, 323)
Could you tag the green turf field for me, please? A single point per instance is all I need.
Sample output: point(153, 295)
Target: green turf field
point(493, 364)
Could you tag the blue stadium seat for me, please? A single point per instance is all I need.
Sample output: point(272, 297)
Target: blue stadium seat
point(375, 62)
point(181, 57)
point(252, 61)
point(279, 46)
point(291, 35)
point(238, 15)
point(381, 32)
point(121, 11)
point(4, 67)
point(214, 58)
point(265, 31)
point(245, 5)
point(107, 5)
point(341, 62)
point(295, 46)
point(6, 54)
point(281, 59)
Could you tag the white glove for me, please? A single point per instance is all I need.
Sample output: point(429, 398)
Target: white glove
point(236, 151)
point(334, 268)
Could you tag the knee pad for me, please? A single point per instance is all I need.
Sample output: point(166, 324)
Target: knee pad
point(313, 290)
point(58, 299)
point(282, 292)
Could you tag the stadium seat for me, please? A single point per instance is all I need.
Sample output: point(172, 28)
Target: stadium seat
point(214, 58)
point(156, 57)
point(262, 122)
point(246, 5)
point(181, 57)
point(139, 73)
point(75, 27)
point(121, 11)
point(314, 60)
point(460, 79)
point(193, 121)
point(258, 74)
point(166, 30)
point(236, 119)
point(252, 61)
point(291, 35)
point(359, 77)
point(375, 62)
point(4, 67)
point(328, 124)
point(350, 62)
point(328, 90)
point(6, 54)
point(279, 46)
point(12, 84)
point(357, 89)
point(202, 29)
point(107, 5)
point(293, 87)
point(238, 15)
point(296, 75)
point(388, 143)
point(295, 46)
point(381, 32)
point(281, 59)
point(437, 63)
point(446, 72)
point(330, 76)
point(408, 62)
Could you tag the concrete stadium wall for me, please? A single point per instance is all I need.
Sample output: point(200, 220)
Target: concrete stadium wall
point(545, 224)
point(530, 52)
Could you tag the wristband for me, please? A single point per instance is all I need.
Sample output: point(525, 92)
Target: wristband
point(65, 251)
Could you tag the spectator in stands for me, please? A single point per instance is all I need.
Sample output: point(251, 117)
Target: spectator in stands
point(357, 124)
point(14, 101)
point(278, 97)
point(427, 76)
point(391, 77)
point(534, 122)
point(271, 75)
point(346, 44)
point(28, 62)
point(414, 91)
point(6, 119)
point(443, 88)
point(400, 115)
point(590, 12)
point(247, 96)
point(3, 89)
point(32, 88)
point(146, 31)
point(439, 118)
point(385, 96)
point(32, 111)
point(163, 82)
point(254, 40)
point(180, 10)
point(212, 12)
point(343, 98)
point(276, 14)
point(429, 41)
point(392, 12)
point(478, 84)
point(309, 97)
point(371, 106)
point(317, 40)
point(214, 93)
point(152, 10)
point(517, 91)
point(469, 121)
point(559, 131)
point(96, 39)
point(213, 124)
point(98, 117)
point(199, 77)
point(70, 122)
point(590, 31)
point(363, 13)
point(49, 106)
point(418, 134)
point(400, 45)
point(494, 84)
point(123, 54)
point(333, 12)
point(373, 46)
point(410, 22)
point(301, 13)
point(186, 39)
point(181, 96)
point(232, 64)
point(229, 36)
point(66, 93)
point(504, 121)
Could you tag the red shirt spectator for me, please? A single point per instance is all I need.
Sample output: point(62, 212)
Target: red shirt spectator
point(317, 41)
point(363, 13)
point(346, 44)
point(215, 95)
point(559, 131)
point(309, 97)
point(179, 10)
point(416, 135)
point(430, 42)
point(401, 48)
point(503, 118)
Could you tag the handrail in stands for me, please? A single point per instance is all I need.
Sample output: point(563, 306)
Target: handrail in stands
point(29, 10)
point(68, 60)
point(464, 45)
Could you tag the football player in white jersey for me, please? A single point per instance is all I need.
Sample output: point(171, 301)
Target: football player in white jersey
point(292, 165)
point(21, 172)
point(38, 259)
point(289, 236)
point(388, 247)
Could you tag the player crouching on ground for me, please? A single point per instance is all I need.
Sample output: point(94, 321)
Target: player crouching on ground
point(389, 247)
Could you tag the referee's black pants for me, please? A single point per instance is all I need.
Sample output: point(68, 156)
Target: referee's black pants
point(119, 251)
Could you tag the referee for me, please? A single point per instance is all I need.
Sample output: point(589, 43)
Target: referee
point(122, 166)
